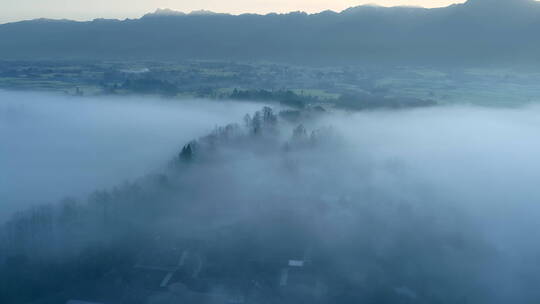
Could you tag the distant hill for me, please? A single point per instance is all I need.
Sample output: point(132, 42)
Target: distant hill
point(476, 32)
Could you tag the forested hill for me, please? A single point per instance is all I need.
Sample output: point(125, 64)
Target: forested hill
point(478, 31)
point(238, 204)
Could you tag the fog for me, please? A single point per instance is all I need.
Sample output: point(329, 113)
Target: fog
point(480, 161)
point(483, 160)
point(54, 146)
point(434, 205)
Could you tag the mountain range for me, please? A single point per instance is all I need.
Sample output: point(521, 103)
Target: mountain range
point(475, 32)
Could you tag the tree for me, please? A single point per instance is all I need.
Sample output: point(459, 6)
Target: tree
point(256, 123)
point(187, 153)
point(300, 133)
point(269, 118)
point(247, 121)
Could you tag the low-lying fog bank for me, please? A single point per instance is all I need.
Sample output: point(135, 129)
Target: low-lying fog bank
point(435, 205)
point(52, 146)
point(481, 161)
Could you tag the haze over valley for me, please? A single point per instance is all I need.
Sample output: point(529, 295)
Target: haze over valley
point(373, 155)
point(60, 146)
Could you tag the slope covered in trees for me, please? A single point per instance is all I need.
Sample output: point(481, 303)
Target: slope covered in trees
point(266, 211)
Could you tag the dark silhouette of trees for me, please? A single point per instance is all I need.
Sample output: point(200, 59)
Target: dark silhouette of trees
point(300, 133)
point(373, 101)
point(284, 97)
point(186, 155)
point(150, 85)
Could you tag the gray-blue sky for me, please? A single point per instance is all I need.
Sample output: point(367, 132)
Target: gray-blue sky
point(14, 10)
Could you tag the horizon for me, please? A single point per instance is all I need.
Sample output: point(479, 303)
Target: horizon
point(82, 10)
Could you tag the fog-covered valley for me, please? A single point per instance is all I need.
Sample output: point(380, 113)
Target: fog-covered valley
point(433, 205)
point(376, 155)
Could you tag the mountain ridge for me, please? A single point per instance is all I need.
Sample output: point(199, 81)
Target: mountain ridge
point(477, 31)
point(167, 12)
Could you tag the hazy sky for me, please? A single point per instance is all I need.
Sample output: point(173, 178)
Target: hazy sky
point(13, 10)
